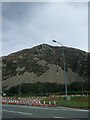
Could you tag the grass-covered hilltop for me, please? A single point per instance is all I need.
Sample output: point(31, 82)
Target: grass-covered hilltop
point(41, 68)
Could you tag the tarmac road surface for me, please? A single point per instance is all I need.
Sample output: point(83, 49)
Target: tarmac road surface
point(20, 111)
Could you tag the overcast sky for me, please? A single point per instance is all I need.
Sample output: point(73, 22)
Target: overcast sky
point(29, 24)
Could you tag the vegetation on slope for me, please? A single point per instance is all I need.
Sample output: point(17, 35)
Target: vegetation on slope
point(75, 59)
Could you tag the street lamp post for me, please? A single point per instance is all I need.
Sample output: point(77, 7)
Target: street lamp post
point(65, 78)
point(19, 92)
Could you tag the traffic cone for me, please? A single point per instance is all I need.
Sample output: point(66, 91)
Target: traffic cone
point(44, 103)
point(49, 104)
point(32, 103)
point(9, 101)
point(17, 102)
point(54, 103)
point(37, 103)
point(20, 102)
point(27, 102)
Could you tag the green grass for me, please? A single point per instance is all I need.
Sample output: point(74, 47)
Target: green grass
point(76, 102)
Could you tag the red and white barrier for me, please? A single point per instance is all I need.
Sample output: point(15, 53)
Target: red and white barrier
point(28, 101)
point(12, 102)
point(3, 101)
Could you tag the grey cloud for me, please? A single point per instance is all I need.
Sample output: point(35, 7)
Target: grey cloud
point(14, 11)
point(38, 23)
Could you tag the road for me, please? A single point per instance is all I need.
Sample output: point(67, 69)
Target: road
point(20, 111)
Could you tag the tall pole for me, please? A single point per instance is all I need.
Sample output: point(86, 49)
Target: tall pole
point(20, 90)
point(65, 77)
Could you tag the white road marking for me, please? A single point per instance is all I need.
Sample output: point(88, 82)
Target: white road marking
point(82, 110)
point(66, 108)
point(58, 117)
point(17, 112)
point(25, 113)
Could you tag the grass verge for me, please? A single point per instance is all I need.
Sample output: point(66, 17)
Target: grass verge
point(75, 102)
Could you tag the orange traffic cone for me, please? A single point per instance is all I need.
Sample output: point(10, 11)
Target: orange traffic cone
point(32, 103)
point(38, 103)
point(54, 103)
point(44, 103)
point(49, 103)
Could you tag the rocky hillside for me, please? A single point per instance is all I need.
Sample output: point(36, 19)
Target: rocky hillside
point(43, 63)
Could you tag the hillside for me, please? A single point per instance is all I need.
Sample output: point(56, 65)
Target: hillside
point(44, 63)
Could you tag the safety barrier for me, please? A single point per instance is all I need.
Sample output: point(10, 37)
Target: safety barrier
point(28, 101)
point(12, 102)
point(3, 101)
